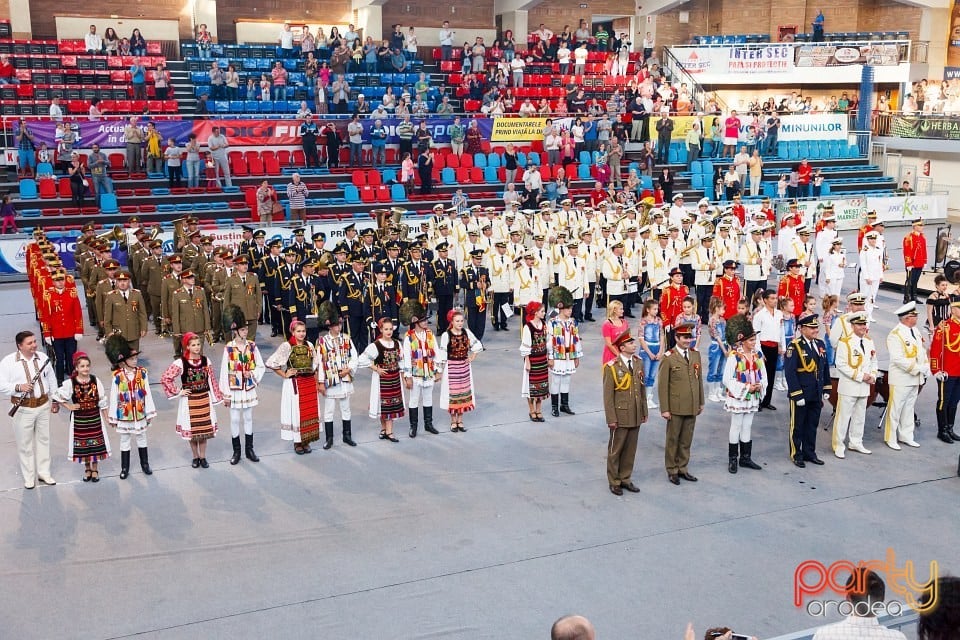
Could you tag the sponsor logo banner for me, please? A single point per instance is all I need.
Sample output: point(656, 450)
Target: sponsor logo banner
point(831, 55)
point(517, 129)
point(932, 127)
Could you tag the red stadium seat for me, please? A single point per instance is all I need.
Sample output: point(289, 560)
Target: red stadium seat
point(271, 165)
point(373, 178)
point(359, 178)
point(255, 164)
point(367, 194)
point(466, 160)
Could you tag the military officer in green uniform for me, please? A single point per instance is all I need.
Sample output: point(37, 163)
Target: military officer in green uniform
point(189, 311)
point(151, 283)
point(680, 386)
point(105, 285)
point(171, 282)
point(242, 289)
point(625, 406)
point(125, 312)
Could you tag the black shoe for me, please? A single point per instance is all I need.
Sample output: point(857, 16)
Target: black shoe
point(204, 464)
point(307, 449)
point(952, 434)
point(942, 436)
point(632, 488)
point(687, 476)
point(144, 461)
point(589, 319)
point(555, 405)
point(814, 460)
point(431, 429)
point(251, 454)
point(274, 333)
point(799, 462)
point(733, 452)
point(328, 435)
point(616, 490)
point(124, 464)
point(348, 434)
point(235, 459)
point(768, 406)
point(674, 478)
point(195, 463)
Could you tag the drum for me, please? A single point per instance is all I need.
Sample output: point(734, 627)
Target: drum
point(879, 388)
point(952, 271)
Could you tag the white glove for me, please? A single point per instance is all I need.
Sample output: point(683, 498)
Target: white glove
point(801, 402)
point(49, 341)
point(77, 336)
point(940, 376)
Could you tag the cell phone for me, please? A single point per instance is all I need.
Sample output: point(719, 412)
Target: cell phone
point(738, 636)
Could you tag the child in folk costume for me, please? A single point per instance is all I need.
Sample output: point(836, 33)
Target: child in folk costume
point(82, 393)
point(296, 361)
point(420, 364)
point(564, 350)
point(536, 371)
point(241, 370)
point(718, 350)
point(744, 385)
point(382, 356)
point(131, 408)
point(458, 348)
point(338, 365)
point(191, 379)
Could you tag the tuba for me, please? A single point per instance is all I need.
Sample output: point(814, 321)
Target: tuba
point(115, 234)
point(179, 233)
point(648, 204)
point(382, 216)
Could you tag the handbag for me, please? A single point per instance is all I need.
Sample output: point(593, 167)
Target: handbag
point(277, 209)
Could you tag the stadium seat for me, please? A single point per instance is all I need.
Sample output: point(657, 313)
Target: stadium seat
point(108, 203)
point(448, 176)
point(359, 178)
point(367, 194)
point(397, 193)
point(28, 189)
point(490, 174)
point(583, 171)
point(479, 160)
point(466, 161)
point(493, 160)
point(351, 195)
point(48, 188)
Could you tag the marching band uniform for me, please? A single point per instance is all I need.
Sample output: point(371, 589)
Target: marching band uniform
point(671, 305)
point(474, 281)
point(350, 296)
point(871, 268)
point(501, 282)
point(727, 288)
point(125, 313)
point(442, 276)
point(856, 358)
point(833, 265)
point(914, 258)
point(705, 272)
point(573, 276)
point(754, 273)
point(908, 369)
point(61, 323)
point(616, 274)
point(792, 286)
point(242, 289)
point(189, 312)
point(945, 367)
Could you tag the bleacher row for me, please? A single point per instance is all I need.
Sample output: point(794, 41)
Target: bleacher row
point(835, 36)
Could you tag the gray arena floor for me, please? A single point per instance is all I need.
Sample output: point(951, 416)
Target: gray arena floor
point(489, 534)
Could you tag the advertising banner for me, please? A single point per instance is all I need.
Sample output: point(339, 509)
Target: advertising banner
point(696, 60)
point(850, 212)
point(517, 129)
point(106, 133)
point(774, 58)
point(904, 209)
point(821, 126)
point(931, 127)
point(830, 55)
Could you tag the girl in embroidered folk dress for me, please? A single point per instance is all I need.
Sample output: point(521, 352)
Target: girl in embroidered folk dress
point(744, 385)
point(83, 395)
point(241, 370)
point(382, 356)
point(533, 348)
point(190, 378)
point(421, 369)
point(296, 361)
point(564, 350)
point(131, 408)
point(458, 348)
point(338, 365)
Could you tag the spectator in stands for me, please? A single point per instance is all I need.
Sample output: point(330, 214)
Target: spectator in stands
point(153, 149)
point(568, 148)
point(218, 144)
point(204, 42)
point(252, 91)
point(458, 134)
point(172, 155)
point(285, 39)
point(473, 139)
point(297, 193)
point(217, 81)
point(406, 173)
point(138, 45)
point(479, 52)
point(731, 183)
point(355, 138)
point(410, 45)
point(742, 163)
point(804, 177)
point(664, 135)
point(378, 141)
point(425, 169)
point(539, 53)
point(111, 42)
point(124, 49)
point(398, 63)
point(362, 107)
point(638, 111)
point(533, 184)
point(340, 59)
point(8, 75)
point(8, 213)
point(279, 77)
point(92, 42)
point(405, 134)
point(78, 180)
point(580, 59)
point(602, 36)
point(424, 140)
point(264, 87)
point(26, 148)
point(446, 35)
point(308, 44)
point(614, 155)
point(772, 132)
point(266, 197)
point(731, 134)
point(99, 168)
point(357, 55)
point(340, 94)
point(231, 81)
point(335, 39)
point(133, 135)
point(332, 138)
point(444, 108)
point(370, 55)
point(56, 111)
point(647, 159)
point(756, 173)
point(161, 83)
point(308, 141)
point(864, 588)
point(323, 74)
point(304, 111)
point(193, 161)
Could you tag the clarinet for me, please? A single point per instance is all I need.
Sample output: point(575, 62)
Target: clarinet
point(22, 398)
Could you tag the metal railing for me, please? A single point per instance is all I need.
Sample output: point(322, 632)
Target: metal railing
point(678, 74)
point(919, 51)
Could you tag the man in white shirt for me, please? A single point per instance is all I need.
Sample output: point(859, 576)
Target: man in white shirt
point(677, 210)
point(446, 41)
point(824, 241)
point(56, 112)
point(516, 69)
point(92, 41)
point(533, 183)
point(871, 271)
point(544, 34)
point(864, 589)
point(27, 378)
point(286, 41)
point(768, 323)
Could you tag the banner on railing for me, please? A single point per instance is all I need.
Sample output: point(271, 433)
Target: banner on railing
point(773, 58)
point(821, 126)
point(13, 250)
point(851, 213)
point(930, 127)
point(517, 129)
point(829, 55)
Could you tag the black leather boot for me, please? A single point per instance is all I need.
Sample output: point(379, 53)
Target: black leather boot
point(251, 454)
point(555, 405)
point(943, 436)
point(347, 439)
point(236, 450)
point(958, 466)
point(144, 461)
point(328, 433)
point(414, 419)
point(565, 404)
point(953, 434)
point(746, 448)
point(124, 464)
point(428, 421)
point(732, 454)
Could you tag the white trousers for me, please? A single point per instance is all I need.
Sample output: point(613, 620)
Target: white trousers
point(422, 392)
point(125, 441)
point(851, 412)
point(559, 384)
point(238, 416)
point(869, 290)
point(32, 430)
point(330, 407)
point(740, 425)
point(899, 422)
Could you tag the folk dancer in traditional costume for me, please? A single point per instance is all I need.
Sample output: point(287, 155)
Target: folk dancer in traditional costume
point(82, 393)
point(743, 384)
point(458, 348)
point(536, 372)
point(338, 366)
point(857, 368)
point(909, 366)
point(420, 364)
point(564, 350)
point(131, 408)
point(296, 361)
point(191, 379)
point(382, 356)
point(241, 371)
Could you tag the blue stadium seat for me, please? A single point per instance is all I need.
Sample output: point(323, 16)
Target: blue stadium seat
point(166, 208)
point(583, 171)
point(250, 106)
point(221, 106)
point(160, 191)
point(236, 106)
point(696, 168)
point(44, 169)
point(448, 176)
point(266, 106)
point(825, 188)
point(521, 159)
point(706, 167)
point(389, 175)
point(584, 157)
point(397, 193)
point(673, 155)
point(351, 194)
point(646, 182)
point(28, 189)
point(30, 213)
point(480, 160)
point(696, 181)
point(490, 174)
point(493, 160)
point(533, 158)
point(108, 203)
